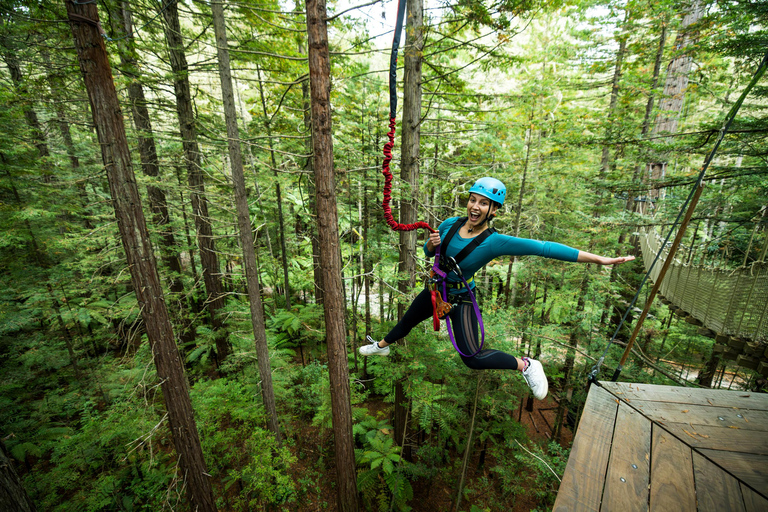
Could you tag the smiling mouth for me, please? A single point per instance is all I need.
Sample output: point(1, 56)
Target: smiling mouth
point(474, 217)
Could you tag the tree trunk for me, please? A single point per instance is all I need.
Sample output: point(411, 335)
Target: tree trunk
point(610, 132)
point(330, 261)
point(511, 285)
point(468, 448)
point(12, 494)
point(409, 176)
point(108, 119)
point(675, 85)
point(9, 56)
point(148, 153)
point(244, 219)
point(67, 335)
point(209, 260)
point(280, 218)
point(310, 168)
point(411, 137)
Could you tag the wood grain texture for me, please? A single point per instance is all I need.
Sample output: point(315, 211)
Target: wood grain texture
point(582, 485)
point(626, 483)
point(753, 502)
point(672, 394)
point(716, 490)
point(723, 417)
point(750, 468)
point(672, 484)
point(720, 438)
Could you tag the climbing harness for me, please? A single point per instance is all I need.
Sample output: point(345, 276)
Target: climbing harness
point(689, 205)
point(438, 283)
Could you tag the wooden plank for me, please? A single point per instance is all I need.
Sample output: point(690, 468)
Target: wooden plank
point(718, 438)
point(692, 396)
point(753, 502)
point(724, 417)
point(672, 483)
point(716, 490)
point(582, 485)
point(749, 468)
point(626, 482)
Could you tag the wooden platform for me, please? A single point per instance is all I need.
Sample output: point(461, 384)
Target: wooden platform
point(663, 448)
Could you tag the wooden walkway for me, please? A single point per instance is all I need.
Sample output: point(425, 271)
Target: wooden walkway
point(642, 447)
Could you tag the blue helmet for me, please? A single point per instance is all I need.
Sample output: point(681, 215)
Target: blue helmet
point(491, 188)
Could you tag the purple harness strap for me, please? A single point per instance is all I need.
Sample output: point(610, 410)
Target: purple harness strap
point(443, 277)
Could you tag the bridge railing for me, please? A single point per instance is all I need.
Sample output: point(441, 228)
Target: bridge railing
point(732, 302)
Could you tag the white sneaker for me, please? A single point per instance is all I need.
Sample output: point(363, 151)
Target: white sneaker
point(373, 349)
point(537, 381)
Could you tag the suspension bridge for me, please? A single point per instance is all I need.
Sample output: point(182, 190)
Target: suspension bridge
point(730, 305)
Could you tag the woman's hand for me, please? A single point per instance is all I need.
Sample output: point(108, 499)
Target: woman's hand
point(587, 257)
point(433, 241)
point(618, 261)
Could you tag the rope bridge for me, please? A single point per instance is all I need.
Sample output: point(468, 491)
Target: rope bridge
point(731, 303)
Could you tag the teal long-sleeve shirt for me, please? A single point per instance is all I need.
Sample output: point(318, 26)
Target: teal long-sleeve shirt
point(497, 245)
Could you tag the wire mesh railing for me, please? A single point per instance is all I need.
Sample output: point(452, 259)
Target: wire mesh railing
point(731, 302)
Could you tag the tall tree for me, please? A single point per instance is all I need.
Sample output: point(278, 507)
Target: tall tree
point(409, 176)
point(108, 119)
point(209, 259)
point(244, 218)
point(675, 85)
point(330, 255)
point(147, 149)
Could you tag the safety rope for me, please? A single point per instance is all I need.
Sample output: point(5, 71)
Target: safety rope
point(692, 197)
point(396, 226)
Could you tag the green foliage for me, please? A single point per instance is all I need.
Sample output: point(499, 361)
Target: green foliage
point(547, 468)
point(380, 474)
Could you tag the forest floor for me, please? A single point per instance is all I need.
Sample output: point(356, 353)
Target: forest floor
point(314, 449)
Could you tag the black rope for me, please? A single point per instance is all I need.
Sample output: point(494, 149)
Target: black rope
point(592, 377)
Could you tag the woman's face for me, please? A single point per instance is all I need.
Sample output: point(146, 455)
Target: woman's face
point(478, 209)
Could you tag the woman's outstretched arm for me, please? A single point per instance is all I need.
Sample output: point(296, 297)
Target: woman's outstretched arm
point(588, 257)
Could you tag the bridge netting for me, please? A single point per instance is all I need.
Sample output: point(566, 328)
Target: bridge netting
point(726, 301)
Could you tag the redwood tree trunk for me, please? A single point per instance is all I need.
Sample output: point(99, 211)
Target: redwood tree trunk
point(330, 258)
point(310, 168)
point(244, 219)
point(409, 176)
point(148, 153)
point(12, 494)
point(108, 119)
point(209, 260)
point(675, 85)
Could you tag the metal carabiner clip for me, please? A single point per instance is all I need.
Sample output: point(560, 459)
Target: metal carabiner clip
point(452, 266)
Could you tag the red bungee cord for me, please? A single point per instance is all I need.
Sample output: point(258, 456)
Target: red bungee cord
point(396, 226)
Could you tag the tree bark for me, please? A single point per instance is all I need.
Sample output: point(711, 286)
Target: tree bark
point(409, 178)
point(244, 219)
point(510, 293)
point(675, 85)
point(411, 137)
point(279, 193)
point(148, 153)
point(12, 494)
point(209, 260)
point(108, 119)
point(330, 261)
point(310, 168)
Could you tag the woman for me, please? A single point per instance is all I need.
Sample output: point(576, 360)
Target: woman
point(485, 197)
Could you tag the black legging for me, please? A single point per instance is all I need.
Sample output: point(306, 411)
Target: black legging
point(465, 332)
